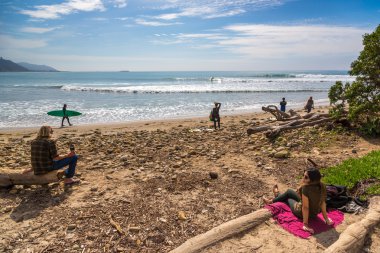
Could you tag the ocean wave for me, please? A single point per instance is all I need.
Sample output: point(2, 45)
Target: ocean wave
point(181, 89)
point(39, 86)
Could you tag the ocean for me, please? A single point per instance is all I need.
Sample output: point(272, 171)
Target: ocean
point(113, 97)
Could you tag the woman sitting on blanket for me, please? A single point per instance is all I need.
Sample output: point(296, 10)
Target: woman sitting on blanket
point(308, 201)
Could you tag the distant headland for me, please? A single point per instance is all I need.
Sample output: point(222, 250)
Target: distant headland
point(10, 66)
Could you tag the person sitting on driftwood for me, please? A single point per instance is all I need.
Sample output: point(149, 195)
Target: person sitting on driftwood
point(308, 201)
point(44, 156)
point(309, 105)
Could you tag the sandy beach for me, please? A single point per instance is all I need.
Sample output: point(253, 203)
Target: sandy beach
point(153, 179)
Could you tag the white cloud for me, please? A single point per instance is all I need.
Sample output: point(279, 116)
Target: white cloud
point(57, 10)
point(100, 19)
point(141, 21)
point(208, 9)
point(9, 42)
point(120, 3)
point(123, 18)
point(38, 30)
point(266, 41)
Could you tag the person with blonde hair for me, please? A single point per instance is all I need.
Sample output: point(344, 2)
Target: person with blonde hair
point(45, 158)
point(308, 201)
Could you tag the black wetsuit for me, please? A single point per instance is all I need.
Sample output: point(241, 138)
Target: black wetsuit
point(65, 117)
point(215, 115)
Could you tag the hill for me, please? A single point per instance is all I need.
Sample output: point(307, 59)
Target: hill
point(35, 67)
point(10, 66)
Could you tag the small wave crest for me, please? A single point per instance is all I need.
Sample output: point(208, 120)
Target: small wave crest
point(39, 86)
point(181, 89)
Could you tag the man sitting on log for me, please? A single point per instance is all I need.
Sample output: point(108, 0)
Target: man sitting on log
point(44, 156)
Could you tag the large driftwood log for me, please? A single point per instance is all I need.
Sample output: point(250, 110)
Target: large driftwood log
point(223, 231)
point(280, 115)
point(352, 239)
point(278, 130)
point(274, 130)
point(7, 180)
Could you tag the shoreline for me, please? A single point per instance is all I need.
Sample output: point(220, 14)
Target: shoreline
point(165, 123)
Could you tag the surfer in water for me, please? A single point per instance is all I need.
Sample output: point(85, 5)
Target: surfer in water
point(65, 116)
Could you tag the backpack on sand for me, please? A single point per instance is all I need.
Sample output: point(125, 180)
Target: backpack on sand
point(336, 196)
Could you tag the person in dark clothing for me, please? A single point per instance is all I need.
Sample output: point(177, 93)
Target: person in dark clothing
point(215, 114)
point(309, 105)
point(283, 105)
point(308, 201)
point(65, 116)
point(45, 158)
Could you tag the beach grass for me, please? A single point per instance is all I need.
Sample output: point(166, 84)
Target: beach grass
point(355, 170)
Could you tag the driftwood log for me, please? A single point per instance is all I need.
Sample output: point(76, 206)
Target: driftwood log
point(293, 121)
point(223, 231)
point(279, 115)
point(272, 131)
point(8, 180)
point(352, 239)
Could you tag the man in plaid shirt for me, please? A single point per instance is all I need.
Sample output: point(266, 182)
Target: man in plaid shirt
point(44, 156)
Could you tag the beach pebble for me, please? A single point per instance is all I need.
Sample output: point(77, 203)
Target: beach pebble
point(213, 175)
point(181, 215)
point(71, 227)
point(282, 154)
point(134, 229)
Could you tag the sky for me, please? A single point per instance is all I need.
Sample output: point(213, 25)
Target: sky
point(186, 35)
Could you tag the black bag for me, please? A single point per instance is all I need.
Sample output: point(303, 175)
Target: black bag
point(336, 196)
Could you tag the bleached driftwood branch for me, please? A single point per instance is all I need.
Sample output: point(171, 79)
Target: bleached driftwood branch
point(293, 122)
point(352, 239)
point(223, 231)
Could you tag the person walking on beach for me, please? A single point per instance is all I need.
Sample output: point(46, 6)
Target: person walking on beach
point(308, 201)
point(283, 105)
point(309, 105)
point(44, 156)
point(215, 114)
point(65, 115)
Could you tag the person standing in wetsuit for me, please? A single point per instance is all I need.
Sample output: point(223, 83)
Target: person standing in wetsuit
point(283, 105)
point(215, 114)
point(65, 116)
point(309, 105)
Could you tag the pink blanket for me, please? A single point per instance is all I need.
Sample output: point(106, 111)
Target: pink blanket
point(284, 216)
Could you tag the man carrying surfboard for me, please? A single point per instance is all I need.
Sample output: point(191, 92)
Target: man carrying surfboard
point(65, 115)
point(45, 158)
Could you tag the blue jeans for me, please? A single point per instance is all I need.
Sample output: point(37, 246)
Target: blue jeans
point(71, 161)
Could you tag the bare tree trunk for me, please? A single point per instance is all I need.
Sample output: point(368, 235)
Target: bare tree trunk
point(7, 180)
point(223, 231)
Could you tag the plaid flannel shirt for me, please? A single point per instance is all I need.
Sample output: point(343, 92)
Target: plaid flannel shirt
point(42, 153)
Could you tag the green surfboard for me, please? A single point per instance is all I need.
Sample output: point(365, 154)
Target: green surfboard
point(59, 113)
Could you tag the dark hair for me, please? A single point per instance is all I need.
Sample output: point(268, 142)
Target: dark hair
point(314, 175)
point(315, 179)
point(64, 104)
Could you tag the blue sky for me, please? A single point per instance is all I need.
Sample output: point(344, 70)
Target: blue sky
point(155, 35)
